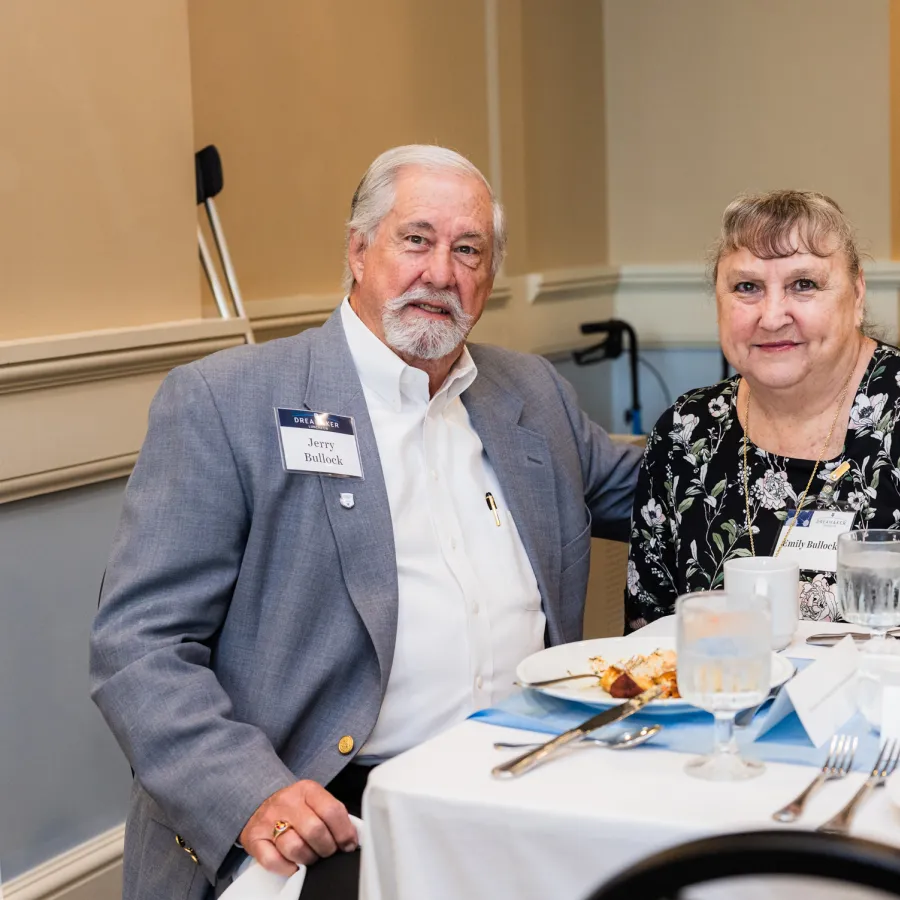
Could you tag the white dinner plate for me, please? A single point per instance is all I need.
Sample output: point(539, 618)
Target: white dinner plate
point(574, 658)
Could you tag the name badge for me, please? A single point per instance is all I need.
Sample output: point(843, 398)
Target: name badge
point(318, 442)
point(813, 539)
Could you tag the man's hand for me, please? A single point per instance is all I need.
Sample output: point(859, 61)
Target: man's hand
point(320, 826)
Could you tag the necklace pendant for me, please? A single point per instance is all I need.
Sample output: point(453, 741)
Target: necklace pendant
point(838, 473)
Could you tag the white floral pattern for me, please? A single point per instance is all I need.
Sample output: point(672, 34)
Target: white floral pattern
point(867, 411)
point(857, 500)
point(772, 489)
point(653, 513)
point(633, 578)
point(690, 510)
point(683, 428)
point(818, 600)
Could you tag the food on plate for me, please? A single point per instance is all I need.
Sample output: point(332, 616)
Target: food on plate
point(628, 678)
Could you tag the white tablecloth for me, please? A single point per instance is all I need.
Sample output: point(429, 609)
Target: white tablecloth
point(440, 827)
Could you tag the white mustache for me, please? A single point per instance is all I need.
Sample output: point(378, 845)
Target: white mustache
point(446, 299)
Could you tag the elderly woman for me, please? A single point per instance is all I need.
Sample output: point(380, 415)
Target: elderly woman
point(807, 424)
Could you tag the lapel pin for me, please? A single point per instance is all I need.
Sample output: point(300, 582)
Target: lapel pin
point(347, 501)
point(840, 472)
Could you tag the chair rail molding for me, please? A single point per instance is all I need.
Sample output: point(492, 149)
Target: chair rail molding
point(674, 303)
point(277, 317)
point(90, 870)
point(74, 407)
point(571, 284)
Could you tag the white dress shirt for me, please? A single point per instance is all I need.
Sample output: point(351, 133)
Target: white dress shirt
point(469, 605)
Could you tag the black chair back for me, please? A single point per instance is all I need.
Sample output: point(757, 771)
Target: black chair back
point(832, 857)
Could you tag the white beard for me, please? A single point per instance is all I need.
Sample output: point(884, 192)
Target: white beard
point(423, 338)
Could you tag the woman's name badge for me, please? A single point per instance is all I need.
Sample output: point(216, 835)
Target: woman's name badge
point(318, 442)
point(812, 542)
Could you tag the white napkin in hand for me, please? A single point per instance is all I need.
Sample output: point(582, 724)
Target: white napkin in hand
point(253, 882)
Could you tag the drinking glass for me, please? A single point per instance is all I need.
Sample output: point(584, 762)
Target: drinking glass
point(868, 579)
point(868, 583)
point(724, 666)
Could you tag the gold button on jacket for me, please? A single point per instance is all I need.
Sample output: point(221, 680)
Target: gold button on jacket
point(345, 744)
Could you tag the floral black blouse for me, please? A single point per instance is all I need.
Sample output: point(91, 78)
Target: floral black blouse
point(689, 512)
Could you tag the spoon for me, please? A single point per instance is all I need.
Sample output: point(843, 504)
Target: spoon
point(620, 742)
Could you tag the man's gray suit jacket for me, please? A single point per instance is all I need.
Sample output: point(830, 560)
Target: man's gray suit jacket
point(247, 620)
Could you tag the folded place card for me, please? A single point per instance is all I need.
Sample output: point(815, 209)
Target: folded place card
point(823, 695)
point(890, 712)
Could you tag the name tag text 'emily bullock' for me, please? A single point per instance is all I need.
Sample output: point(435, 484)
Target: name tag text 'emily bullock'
point(318, 442)
point(813, 541)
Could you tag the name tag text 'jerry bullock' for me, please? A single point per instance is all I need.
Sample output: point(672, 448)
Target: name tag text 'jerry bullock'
point(334, 460)
point(319, 442)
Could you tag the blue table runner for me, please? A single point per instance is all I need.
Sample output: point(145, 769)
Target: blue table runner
point(690, 732)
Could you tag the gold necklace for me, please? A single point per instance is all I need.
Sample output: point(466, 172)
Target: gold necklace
point(793, 521)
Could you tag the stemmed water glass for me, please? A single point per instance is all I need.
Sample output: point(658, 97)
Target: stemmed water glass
point(724, 666)
point(868, 584)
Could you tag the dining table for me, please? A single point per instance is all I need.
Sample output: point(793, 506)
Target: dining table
point(441, 827)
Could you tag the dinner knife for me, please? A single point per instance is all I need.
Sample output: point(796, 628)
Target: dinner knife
point(829, 640)
point(532, 758)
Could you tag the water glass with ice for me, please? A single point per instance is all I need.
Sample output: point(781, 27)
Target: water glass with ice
point(868, 578)
point(724, 666)
point(868, 582)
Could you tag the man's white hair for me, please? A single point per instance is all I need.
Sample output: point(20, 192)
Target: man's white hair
point(374, 198)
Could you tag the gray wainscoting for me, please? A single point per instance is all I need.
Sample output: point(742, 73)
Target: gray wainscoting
point(63, 779)
point(604, 389)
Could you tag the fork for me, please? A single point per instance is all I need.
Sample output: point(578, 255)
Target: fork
point(881, 771)
point(547, 681)
point(838, 763)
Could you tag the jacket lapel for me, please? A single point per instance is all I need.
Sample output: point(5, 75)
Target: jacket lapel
point(521, 461)
point(364, 533)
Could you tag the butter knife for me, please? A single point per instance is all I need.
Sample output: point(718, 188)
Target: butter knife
point(829, 640)
point(532, 758)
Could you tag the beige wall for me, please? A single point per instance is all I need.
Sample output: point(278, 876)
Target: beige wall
point(706, 98)
point(895, 126)
point(98, 232)
point(552, 132)
point(96, 169)
point(564, 133)
point(300, 95)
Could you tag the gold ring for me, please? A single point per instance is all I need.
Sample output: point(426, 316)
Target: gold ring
point(280, 828)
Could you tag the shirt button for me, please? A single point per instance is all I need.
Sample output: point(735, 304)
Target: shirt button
point(479, 682)
point(434, 475)
point(345, 744)
point(453, 543)
point(474, 609)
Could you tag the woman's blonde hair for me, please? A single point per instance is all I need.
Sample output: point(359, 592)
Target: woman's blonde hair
point(780, 223)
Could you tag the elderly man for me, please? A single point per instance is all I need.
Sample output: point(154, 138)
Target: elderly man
point(335, 545)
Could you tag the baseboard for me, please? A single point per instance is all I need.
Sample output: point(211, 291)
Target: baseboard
point(90, 871)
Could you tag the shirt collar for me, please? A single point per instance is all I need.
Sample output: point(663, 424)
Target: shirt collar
point(382, 371)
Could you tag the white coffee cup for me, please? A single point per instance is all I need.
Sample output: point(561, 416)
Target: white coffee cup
point(777, 579)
